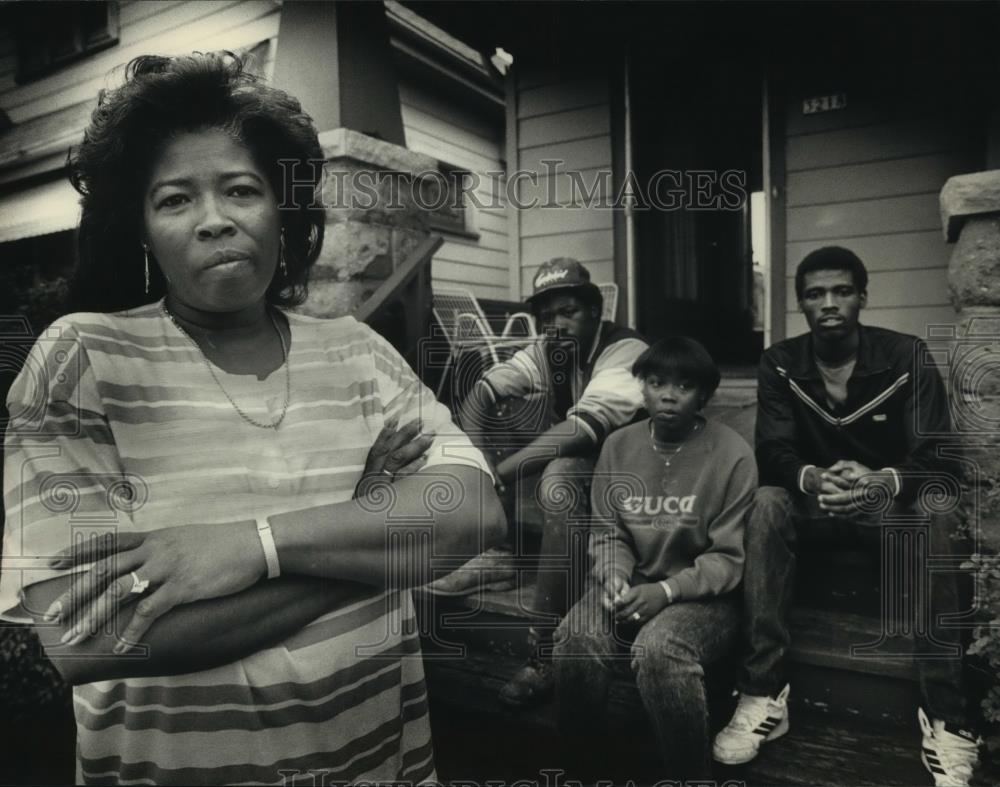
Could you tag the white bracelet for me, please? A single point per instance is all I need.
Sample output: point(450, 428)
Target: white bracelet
point(802, 477)
point(897, 482)
point(666, 589)
point(270, 550)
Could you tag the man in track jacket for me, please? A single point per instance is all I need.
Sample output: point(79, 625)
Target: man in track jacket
point(849, 420)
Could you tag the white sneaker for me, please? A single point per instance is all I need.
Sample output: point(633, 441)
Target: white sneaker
point(755, 721)
point(951, 755)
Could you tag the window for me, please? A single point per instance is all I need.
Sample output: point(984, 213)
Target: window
point(444, 195)
point(50, 35)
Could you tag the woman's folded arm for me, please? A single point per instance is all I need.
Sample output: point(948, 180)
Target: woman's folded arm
point(388, 538)
point(190, 637)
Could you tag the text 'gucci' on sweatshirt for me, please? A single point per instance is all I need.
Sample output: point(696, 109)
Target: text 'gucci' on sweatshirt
point(683, 522)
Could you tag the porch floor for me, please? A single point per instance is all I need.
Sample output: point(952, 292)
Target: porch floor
point(853, 721)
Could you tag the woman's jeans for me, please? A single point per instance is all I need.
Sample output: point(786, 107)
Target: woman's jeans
point(915, 549)
point(666, 655)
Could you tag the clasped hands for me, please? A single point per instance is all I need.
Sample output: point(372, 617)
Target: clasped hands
point(837, 486)
point(186, 563)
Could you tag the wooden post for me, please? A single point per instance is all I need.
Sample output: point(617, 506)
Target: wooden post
point(776, 205)
point(513, 164)
point(620, 165)
point(335, 57)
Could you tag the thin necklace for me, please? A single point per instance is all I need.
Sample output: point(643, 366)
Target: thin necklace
point(218, 382)
point(673, 454)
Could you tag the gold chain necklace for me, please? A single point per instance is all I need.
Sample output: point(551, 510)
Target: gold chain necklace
point(658, 448)
point(218, 382)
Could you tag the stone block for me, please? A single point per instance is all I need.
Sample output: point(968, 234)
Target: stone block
point(350, 248)
point(373, 220)
point(404, 241)
point(963, 196)
point(328, 298)
point(980, 323)
point(379, 268)
point(353, 191)
point(344, 143)
point(974, 269)
point(973, 375)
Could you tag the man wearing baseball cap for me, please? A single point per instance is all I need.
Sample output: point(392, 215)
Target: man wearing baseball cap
point(574, 387)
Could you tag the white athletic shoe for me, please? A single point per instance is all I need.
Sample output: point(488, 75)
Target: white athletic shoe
point(950, 755)
point(755, 721)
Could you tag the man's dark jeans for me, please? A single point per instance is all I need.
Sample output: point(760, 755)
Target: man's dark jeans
point(914, 623)
point(558, 499)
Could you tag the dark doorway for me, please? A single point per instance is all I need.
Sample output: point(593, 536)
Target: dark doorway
point(697, 149)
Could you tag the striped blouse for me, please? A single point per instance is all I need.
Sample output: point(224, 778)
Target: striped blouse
point(117, 423)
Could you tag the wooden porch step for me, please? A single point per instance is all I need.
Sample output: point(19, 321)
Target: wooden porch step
point(479, 739)
point(500, 620)
point(485, 638)
point(476, 738)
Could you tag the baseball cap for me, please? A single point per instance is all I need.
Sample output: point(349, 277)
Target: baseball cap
point(560, 273)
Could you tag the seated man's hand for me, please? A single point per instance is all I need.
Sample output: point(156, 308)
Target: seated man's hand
point(849, 470)
point(848, 501)
point(395, 453)
point(822, 481)
point(640, 603)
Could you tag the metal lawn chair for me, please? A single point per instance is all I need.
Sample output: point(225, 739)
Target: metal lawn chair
point(464, 326)
point(520, 325)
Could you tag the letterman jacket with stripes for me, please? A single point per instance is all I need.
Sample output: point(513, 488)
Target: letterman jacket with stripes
point(895, 413)
point(599, 392)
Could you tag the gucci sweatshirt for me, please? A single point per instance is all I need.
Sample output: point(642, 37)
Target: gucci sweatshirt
point(683, 522)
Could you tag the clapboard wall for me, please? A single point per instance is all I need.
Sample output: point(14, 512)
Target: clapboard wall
point(565, 120)
point(144, 28)
point(440, 127)
point(868, 177)
point(463, 138)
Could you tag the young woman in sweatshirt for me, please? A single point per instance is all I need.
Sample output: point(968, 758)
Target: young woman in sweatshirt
point(669, 498)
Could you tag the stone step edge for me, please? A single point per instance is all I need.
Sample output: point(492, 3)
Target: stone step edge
point(833, 640)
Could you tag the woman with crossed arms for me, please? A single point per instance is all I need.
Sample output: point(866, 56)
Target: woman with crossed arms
point(261, 623)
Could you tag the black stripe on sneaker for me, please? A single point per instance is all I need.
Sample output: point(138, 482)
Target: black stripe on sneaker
point(767, 725)
point(933, 763)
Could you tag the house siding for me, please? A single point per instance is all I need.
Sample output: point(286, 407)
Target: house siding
point(868, 178)
point(566, 121)
point(461, 137)
point(144, 28)
point(439, 127)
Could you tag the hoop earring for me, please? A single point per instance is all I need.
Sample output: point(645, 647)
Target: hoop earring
point(281, 257)
point(145, 255)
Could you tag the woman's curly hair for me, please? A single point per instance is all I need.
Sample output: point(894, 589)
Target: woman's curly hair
point(163, 97)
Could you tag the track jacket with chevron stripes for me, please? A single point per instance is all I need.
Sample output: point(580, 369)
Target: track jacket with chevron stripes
point(895, 412)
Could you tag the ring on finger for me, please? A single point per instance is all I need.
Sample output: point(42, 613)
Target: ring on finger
point(636, 616)
point(387, 471)
point(138, 585)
